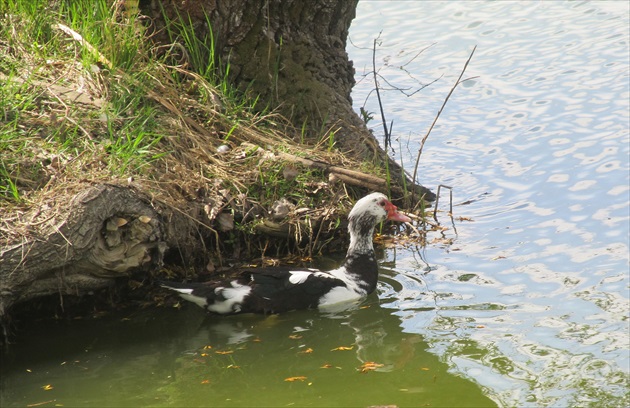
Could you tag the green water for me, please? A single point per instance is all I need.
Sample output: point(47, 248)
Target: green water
point(171, 357)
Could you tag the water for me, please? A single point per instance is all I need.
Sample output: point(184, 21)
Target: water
point(525, 304)
point(531, 298)
point(184, 358)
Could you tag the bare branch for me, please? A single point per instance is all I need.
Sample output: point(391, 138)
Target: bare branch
point(424, 139)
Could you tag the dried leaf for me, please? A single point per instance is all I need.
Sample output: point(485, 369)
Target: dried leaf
point(114, 223)
point(144, 219)
point(307, 351)
point(224, 351)
point(205, 381)
point(342, 348)
point(295, 337)
point(370, 366)
point(47, 387)
point(298, 378)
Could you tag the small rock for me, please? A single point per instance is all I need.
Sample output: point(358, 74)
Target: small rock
point(281, 209)
point(289, 172)
point(223, 149)
point(225, 222)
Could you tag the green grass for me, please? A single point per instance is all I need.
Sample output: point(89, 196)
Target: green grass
point(116, 66)
point(37, 122)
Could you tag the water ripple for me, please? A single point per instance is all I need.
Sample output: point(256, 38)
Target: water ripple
point(532, 304)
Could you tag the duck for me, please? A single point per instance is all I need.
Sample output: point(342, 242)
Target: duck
point(272, 290)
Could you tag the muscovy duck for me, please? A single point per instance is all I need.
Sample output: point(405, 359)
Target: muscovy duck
point(280, 289)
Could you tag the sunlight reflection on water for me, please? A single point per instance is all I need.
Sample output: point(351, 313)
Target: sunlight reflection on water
point(531, 299)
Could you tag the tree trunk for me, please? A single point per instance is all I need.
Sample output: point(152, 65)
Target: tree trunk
point(104, 232)
point(292, 55)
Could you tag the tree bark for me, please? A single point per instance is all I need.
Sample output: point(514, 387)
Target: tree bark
point(104, 232)
point(291, 54)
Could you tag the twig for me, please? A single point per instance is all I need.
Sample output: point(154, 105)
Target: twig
point(437, 201)
point(424, 139)
point(77, 37)
point(417, 55)
point(378, 96)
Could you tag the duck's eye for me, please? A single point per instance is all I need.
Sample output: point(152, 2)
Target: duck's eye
point(381, 203)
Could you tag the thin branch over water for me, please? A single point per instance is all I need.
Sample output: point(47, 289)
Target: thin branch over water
point(424, 139)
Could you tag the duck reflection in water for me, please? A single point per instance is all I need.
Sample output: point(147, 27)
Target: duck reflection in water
point(368, 331)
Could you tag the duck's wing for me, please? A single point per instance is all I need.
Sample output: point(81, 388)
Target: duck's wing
point(276, 290)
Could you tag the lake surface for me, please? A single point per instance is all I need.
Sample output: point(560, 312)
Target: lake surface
point(530, 300)
point(524, 303)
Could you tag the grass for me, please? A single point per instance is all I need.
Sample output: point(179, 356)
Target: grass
point(85, 99)
point(39, 63)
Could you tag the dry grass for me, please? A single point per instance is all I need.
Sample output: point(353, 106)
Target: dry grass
point(71, 124)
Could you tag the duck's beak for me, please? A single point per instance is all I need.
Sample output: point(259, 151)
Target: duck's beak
point(394, 215)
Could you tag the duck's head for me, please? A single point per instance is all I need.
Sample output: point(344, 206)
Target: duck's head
point(373, 209)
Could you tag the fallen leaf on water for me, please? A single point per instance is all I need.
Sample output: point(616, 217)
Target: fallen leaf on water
point(224, 351)
point(342, 348)
point(481, 326)
point(207, 347)
point(298, 378)
point(498, 257)
point(444, 241)
point(425, 369)
point(295, 337)
point(205, 382)
point(233, 366)
point(47, 387)
point(307, 351)
point(370, 366)
point(327, 366)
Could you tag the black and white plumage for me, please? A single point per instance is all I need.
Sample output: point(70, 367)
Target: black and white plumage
point(280, 289)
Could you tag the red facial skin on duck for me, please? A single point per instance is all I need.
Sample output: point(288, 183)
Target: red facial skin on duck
point(393, 214)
